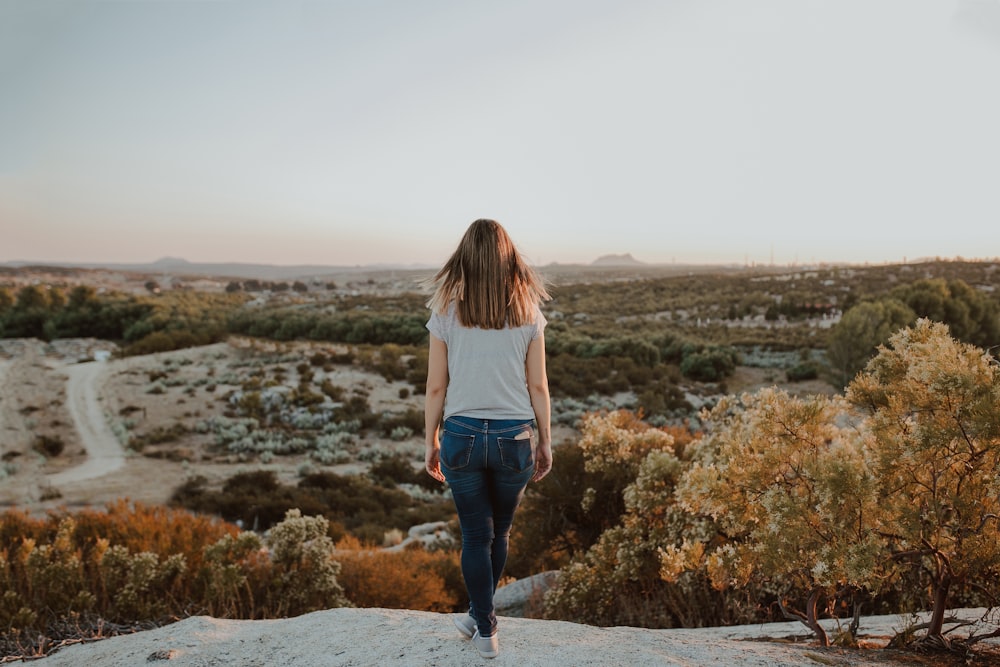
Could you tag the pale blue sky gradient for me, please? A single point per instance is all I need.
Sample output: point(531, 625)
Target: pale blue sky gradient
point(367, 131)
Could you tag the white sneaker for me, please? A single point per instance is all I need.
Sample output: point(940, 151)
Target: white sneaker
point(465, 624)
point(488, 647)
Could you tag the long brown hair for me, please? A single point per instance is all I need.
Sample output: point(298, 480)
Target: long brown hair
point(489, 282)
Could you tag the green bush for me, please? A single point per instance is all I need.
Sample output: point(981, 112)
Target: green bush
point(49, 445)
point(801, 372)
point(709, 365)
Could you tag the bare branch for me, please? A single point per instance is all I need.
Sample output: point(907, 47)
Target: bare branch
point(972, 639)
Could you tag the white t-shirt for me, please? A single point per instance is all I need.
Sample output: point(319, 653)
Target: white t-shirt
point(486, 367)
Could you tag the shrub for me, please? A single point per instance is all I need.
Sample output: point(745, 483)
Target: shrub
point(49, 445)
point(801, 372)
point(402, 426)
point(129, 566)
point(159, 435)
point(124, 564)
point(773, 469)
point(140, 586)
point(408, 579)
point(803, 493)
point(306, 572)
point(934, 421)
point(617, 581)
point(709, 365)
point(570, 520)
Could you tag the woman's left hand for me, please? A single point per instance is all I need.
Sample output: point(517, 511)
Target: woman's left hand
point(543, 461)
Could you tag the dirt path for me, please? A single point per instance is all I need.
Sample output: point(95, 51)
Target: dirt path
point(104, 453)
point(5, 395)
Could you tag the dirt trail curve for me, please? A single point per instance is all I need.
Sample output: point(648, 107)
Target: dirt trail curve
point(104, 453)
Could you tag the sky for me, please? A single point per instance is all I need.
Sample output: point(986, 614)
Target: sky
point(349, 132)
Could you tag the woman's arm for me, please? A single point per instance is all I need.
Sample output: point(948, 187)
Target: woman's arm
point(437, 384)
point(538, 389)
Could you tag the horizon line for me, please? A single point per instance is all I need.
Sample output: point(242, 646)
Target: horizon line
point(174, 262)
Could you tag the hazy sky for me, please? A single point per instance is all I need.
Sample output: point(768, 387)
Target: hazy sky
point(361, 131)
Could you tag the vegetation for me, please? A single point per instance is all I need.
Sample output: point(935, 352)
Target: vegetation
point(71, 575)
point(971, 316)
point(785, 489)
point(144, 324)
point(404, 328)
point(134, 564)
point(353, 504)
point(935, 456)
point(819, 505)
point(413, 578)
point(764, 506)
point(567, 512)
point(648, 335)
point(616, 579)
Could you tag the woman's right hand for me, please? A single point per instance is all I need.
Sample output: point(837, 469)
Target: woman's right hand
point(432, 462)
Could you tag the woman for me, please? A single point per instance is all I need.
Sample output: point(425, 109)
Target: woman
point(486, 384)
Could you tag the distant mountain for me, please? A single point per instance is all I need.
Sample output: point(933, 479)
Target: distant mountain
point(617, 260)
point(171, 261)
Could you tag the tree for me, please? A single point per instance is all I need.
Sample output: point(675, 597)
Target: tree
point(80, 296)
point(792, 500)
point(934, 407)
point(861, 330)
point(32, 297)
point(57, 299)
point(971, 315)
point(31, 310)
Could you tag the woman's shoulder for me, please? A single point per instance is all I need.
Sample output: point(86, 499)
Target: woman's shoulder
point(442, 322)
point(539, 321)
point(445, 311)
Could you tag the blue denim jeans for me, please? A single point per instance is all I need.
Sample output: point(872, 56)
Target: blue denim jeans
point(487, 467)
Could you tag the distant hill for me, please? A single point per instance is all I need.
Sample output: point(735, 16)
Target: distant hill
point(617, 260)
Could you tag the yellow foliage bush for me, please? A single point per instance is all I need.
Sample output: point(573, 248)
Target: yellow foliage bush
point(409, 579)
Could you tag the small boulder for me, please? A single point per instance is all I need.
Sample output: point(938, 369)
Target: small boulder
point(524, 596)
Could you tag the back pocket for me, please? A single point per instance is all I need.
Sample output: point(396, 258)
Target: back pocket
point(456, 450)
point(516, 454)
